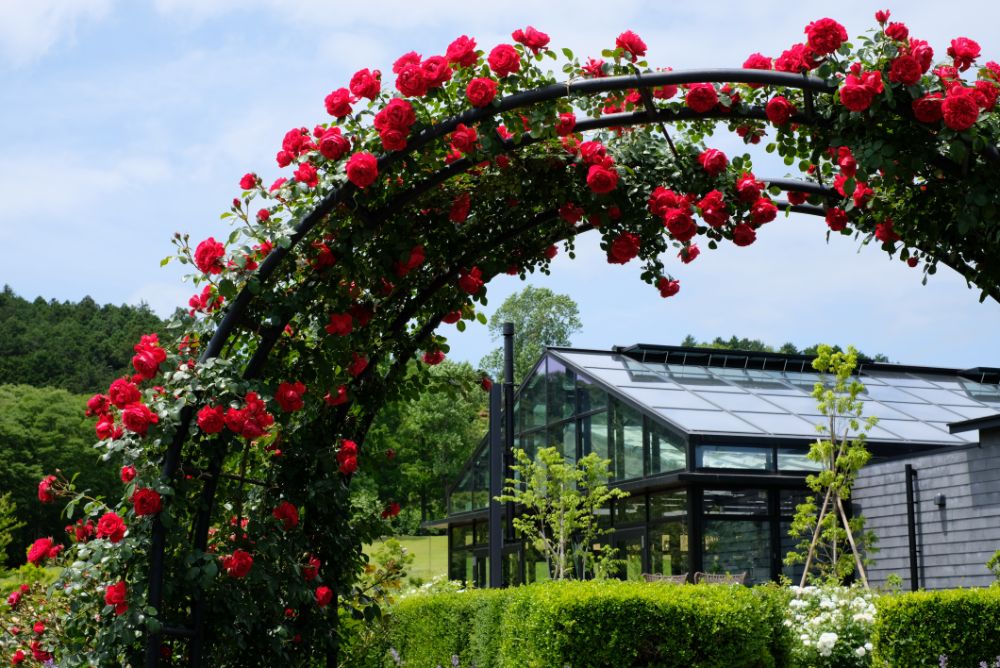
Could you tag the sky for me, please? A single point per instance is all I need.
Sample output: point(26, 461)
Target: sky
point(124, 121)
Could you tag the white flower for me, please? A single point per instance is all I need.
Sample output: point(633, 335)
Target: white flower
point(861, 651)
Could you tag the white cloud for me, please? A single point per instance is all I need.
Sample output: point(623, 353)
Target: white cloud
point(30, 28)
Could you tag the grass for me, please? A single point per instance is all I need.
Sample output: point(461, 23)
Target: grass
point(430, 555)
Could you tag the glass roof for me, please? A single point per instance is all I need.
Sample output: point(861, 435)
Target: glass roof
point(912, 407)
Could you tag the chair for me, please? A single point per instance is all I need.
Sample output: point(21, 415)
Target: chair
point(721, 578)
point(681, 578)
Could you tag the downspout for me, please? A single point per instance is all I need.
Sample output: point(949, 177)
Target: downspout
point(911, 527)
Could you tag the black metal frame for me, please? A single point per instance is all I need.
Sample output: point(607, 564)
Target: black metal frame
point(238, 307)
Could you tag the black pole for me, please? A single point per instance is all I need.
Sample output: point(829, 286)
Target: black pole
point(496, 488)
point(911, 527)
point(508, 413)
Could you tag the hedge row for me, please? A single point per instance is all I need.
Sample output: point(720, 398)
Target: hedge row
point(596, 624)
point(916, 629)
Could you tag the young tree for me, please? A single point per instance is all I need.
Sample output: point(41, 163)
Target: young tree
point(831, 542)
point(8, 525)
point(541, 318)
point(560, 503)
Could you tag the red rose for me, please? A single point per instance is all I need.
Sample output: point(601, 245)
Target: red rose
point(127, 474)
point(744, 235)
point(237, 564)
point(662, 199)
point(471, 281)
point(324, 595)
point(347, 457)
point(481, 91)
point(701, 97)
point(45, 494)
point(897, 31)
point(97, 405)
point(855, 95)
point(289, 396)
point(462, 51)
point(885, 233)
point(105, 428)
point(986, 93)
point(362, 169)
point(397, 114)
point(208, 256)
point(689, 253)
point(116, 595)
point(571, 213)
point(680, 224)
point(795, 197)
point(535, 40)
point(836, 219)
point(341, 324)
point(365, 83)
point(311, 570)
point(504, 60)
point(211, 419)
point(112, 527)
point(756, 61)
point(464, 138)
point(137, 417)
point(278, 183)
point(249, 181)
point(288, 514)
point(411, 81)
point(566, 123)
point(748, 188)
point(825, 36)
point(451, 317)
point(713, 161)
point(338, 103)
point(149, 356)
point(551, 252)
point(845, 160)
point(18, 657)
point(779, 110)
point(763, 211)
point(800, 58)
point(602, 180)
point(905, 70)
point(623, 248)
point(436, 71)
point(146, 501)
point(391, 510)
point(358, 364)
point(336, 398)
point(923, 52)
point(964, 52)
point(959, 109)
point(631, 44)
point(332, 145)
point(713, 210)
point(460, 207)
point(307, 174)
point(927, 109)
point(668, 287)
point(39, 550)
point(433, 357)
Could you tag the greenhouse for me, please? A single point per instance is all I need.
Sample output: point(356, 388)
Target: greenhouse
point(710, 444)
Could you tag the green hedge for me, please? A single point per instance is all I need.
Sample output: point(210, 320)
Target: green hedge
point(915, 629)
point(596, 624)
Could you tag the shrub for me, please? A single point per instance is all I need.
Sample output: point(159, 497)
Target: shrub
point(917, 629)
point(831, 626)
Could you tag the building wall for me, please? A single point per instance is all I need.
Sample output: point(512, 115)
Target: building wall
point(953, 542)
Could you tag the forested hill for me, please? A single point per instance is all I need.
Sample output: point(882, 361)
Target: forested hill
point(80, 347)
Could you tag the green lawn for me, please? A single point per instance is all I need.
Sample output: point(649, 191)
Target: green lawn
point(430, 552)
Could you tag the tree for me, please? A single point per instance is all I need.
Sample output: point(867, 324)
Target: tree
point(831, 542)
point(541, 318)
point(559, 508)
point(8, 525)
point(756, 345)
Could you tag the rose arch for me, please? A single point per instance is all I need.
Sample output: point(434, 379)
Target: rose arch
point(237, 535)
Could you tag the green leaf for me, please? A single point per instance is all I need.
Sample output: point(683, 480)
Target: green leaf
point(166, 260)
point(227, 288)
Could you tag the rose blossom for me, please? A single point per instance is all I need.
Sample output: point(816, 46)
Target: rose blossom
point(111, 526)
point(338, 103)
point(623, 248)
point(433, 357)
point(211, 419)
point(713, 209)
point(927, 109)
point(208, 256)
point(238, 564)
point(362, 169)
point(39, 550)
point(964, 52)
point(45, 494)
point(289, 396)
point(464, 138)
point(411, 81)
point(366, 83)
point(287, 514)
point(146, 501)
point(332, 145)
point(566, 123)
point(689, 253)
point(905, 70)
point(336, 398)
point(481, 91)
point(127, 474)
point(504, 60)
point(713, 161)
point(535, 40)
point(668, 287)
point(116, 595)
point(748, 188)
point(959, 109)
point(825, 36)
point(462, 51)
point(779, 110)
point(701, 97)
point(358, 364)
point(763, 211)
point(744, 235)
point(324, 595)
point(471, 281)
point(836, 219)
point(249, 181)
point(137, 417)
point(631, 44)
point(602, 180)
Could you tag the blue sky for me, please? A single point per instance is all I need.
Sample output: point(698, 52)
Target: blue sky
point(125, 121)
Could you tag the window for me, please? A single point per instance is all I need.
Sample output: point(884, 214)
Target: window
point(666, 451)
point(733, 457)
point(626, 441)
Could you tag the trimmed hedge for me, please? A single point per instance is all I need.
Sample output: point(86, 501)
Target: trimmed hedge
point(915, 629)
point(595, 624)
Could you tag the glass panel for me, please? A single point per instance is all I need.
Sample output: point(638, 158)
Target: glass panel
point(917, 431)
point(668, 505)
point(799, 405)
point(735, 546)
point(460, 565)
point(886, 393)
point(630, 550)
point(481, 472)
point(618, 377)
point(533, 401)
point(897, 378)
point(795, 460)
point(926, 412)
point(597, 360)
point(536, 569)
point(626, 442)
point(461, 535)
point(641, 372)
point(590, 395)
point(943, 397)
point(563, 437)
point(482, 533)
point(754, 379)
point(562, 391)
point(460, 500)
point(594, 435)
point(667, 452)
point(668, 548)
point(698, 377)
point(733, 457)
point(789, 499)
point(776, 423)
point(744, 402)
point(707, 421)
point(973, 412)
point(667, 398)
point(511, 568)
point(990, 393)
point(735, 502)
point(803, 380)
point(794, 573)
point(630, 510)
point(530, 443)
point(883, 411)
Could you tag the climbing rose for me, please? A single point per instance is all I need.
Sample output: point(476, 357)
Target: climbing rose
point(341, 324)
point(211, 419)
point(288, 514)
point(451, 317)
point(986, 93)
point(825, 36)
point(433, 357)
point(127, 474)
point(462, 51)
point(460, 207)
point(358, 364)
point(362, 169)
point(146, 501)
point(137, 417)
point(744, 235)
point(927, 109)
point(779, 110)
point(208, 256)
point(905, 70)
point(566, 123)
point(307, 174)
point(623, 248)
point(347, 457)
point(748, 188)
point(366, 83)
point(631, 44)
point(338, 103)
point(885, 233)
point(800, 58)
point(97, 405)
point(756, 61)
point(237, 564)
point(713, 210)
point(436, 71)
point(668, 287)
point(504, 60)
point(481, 91)
point(39, 550)
point(701, 97)
point(324, 595)
point(535, 40)
point(689, 253)
point(311, 570)
point(857, 93)
point(763, 211)
point(111, 526)
point(397, 114)
point(411, 81)
point(602, 180)
point(713, 161)
point(836, 219)
point(18, 657)
point(964, 52)
point(571, 213)
point(336, 399)
point(471, 281)
point(116, 596)
point(391, 510)
point(960, 109)
point(464, 138)
point(248, 181)
point(45, 494)
point(289, 396)
point(149, 356)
